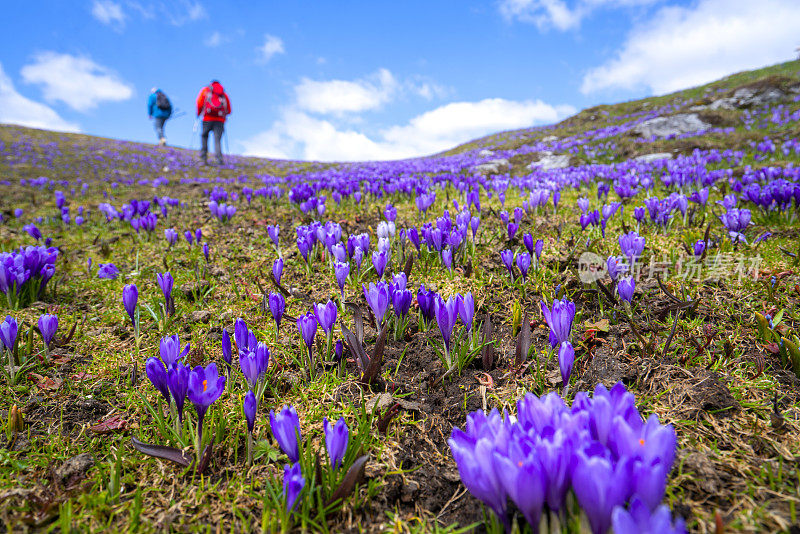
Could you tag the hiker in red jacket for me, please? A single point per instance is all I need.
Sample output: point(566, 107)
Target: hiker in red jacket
point(215, 106)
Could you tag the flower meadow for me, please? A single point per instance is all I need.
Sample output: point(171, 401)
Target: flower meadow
point(473, 341)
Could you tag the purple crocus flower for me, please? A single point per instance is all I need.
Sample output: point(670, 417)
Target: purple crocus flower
point(293, 484)
point(48, 325)
point(342, 271)
point(559, 319)
point(205, 387)
point(336, 438)
point(698, 248)
point(326, 316)
point(639, 520)
point(446, 315)
point(475, 460)
point(625, 288)
point(426, 299)
point(8, 332)
point(33, 231)
point(286, 430)
point(615, 267)
point(171, 235)
point(170, 350)
point(108, 271)
point(379, 261)
point(277, 305)
point(304, 246)
point(447, 258)
point(401, 301)
point(523, 480)
point(527, 240)
point(189, 236)
point(466, 310)
point(198, 235)
point(165, 282)
point(154, 368)
point(206, 252)
point(178, 383)
point(249, 406)
point(566, 359)
point(245, 339)
point(511, 229)
point(632, 245)
point(277, 270)
point(130, 297)
point(735, 221)
point(508, 260)
point(377, 298)
point(537, 249)
point(639, 213)
point(523, 264)
point(600, 487)
point(254, 363)
point(273, 233)
point(227, 350)
point(307, 324)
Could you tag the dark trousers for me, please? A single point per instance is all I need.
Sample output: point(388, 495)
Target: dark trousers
point(159, 123)
point(218, 127)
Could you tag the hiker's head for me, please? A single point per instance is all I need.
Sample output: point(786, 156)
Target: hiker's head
point(154, 89)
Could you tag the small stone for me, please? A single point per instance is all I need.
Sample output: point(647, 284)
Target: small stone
point(74, 469)
point(649, 158)
point(199, 316)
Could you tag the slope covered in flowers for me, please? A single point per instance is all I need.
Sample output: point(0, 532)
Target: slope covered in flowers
point(586, 326)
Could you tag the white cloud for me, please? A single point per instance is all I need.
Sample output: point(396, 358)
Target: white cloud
point(682, 47)
point(176, 12)
point(559, 13)
point(108, 12)
point(213, 40)
point(299, 135)
point(345, 96)
point(76, 81)
point(17, 109)
point(272, 45)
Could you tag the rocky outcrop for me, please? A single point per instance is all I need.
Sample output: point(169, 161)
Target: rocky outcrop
point(550, 161)
point(649, 158)
point(491, 167)
point(672, 125)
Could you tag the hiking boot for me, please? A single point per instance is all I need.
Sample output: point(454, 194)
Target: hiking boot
point(162, 141)
point(219, 161)
point(204, 162)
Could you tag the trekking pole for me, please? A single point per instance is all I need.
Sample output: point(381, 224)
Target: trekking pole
point(194, 132)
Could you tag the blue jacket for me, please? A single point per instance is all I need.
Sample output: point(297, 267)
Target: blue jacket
point(153, 110)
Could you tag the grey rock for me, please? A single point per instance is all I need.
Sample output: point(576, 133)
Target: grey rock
point(491, 167)
point(745, 97)
point(723, 103)
point(649, 158)
point(485, 153)
point(75, 468)
point(199, 316)
point(550, 161)
point(672, 125)
point(549, 138)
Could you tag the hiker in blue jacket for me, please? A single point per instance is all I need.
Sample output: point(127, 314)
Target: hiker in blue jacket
point(159, 108)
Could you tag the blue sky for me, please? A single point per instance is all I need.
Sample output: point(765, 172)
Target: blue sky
point(346, 80)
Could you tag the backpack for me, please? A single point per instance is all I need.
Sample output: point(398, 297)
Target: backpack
point(162, 102)
point(215, 105)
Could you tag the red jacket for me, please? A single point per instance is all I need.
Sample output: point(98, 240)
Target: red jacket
point(213, 96)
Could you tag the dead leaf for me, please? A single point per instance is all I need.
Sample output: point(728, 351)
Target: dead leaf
point(115, 423)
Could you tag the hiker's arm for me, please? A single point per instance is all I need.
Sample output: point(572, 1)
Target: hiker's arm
point(227, 104)
point(200, 98)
